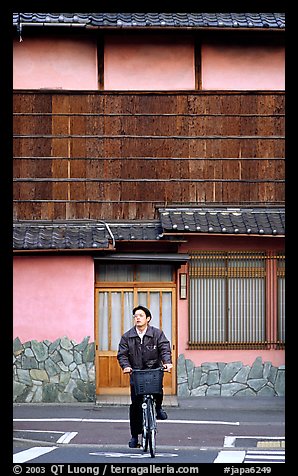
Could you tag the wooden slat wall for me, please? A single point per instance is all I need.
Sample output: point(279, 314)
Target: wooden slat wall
point(121, 155)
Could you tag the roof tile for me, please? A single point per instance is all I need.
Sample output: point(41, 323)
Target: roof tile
point(163, 20)
point(265, 221)
point(87, 234)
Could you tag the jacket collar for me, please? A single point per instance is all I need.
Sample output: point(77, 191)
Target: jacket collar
point(133, 332)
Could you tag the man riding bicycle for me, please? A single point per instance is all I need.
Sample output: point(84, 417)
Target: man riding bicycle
point(143, 347)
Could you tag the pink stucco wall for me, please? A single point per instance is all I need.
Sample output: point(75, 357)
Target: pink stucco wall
point(137, 62)
point(144, 62)
point(242, 66)
point(53, 297)
point(55, 63)
point(276, 357)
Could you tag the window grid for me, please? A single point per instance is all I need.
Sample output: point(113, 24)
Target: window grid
point(228, 301)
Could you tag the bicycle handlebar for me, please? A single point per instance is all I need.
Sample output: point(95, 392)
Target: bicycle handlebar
point(162, 369)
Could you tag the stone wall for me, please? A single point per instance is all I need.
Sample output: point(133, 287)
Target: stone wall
point(229, 379)
point(64, 371)
point(60, 371)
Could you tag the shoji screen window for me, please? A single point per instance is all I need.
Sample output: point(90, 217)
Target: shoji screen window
point(229, 299)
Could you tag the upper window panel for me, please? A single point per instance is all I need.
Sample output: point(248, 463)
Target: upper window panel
point(243, 67)
point(149, 62)
point(55, 63)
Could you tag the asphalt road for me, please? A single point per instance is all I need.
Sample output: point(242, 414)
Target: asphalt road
point(200, 430)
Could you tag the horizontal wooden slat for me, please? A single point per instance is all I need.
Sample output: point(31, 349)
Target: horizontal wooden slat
point(121, 159)
point(155, 180)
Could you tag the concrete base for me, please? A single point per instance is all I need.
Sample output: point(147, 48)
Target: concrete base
point(118, 400)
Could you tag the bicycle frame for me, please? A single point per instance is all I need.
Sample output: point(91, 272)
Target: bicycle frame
point(149, 416)
point(149, 424)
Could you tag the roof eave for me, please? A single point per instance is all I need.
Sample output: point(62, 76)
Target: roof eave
point(139, 27)
point(199, 233)
point(62, 250)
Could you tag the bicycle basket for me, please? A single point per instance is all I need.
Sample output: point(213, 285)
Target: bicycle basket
point(147, 381)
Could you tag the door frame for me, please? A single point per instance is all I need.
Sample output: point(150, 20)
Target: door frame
point(135, 286)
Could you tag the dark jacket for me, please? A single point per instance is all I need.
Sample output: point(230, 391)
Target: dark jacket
point(154, 350)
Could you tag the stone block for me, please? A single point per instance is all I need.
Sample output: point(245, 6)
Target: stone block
point(213, 390)
point(82, 346)
point(40, 350)
point(199, 391)
point(230, 389)
point(183, 390)
point(50, 393)
point(229, 372)
point(24, 377)
point(67, 357)
point(65, 343)
point(196, 377)
point(256, 383)
point(17, 346)
point(280, 383)
point(256, 369)
point(242, 375)
point(213, 377)
point(39, 374)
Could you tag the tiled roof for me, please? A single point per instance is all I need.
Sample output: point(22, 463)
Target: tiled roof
point(29, 235)
point(161, 20)
point(231, 221)
point(34, 236)
point(130, 231)
point(88, 234)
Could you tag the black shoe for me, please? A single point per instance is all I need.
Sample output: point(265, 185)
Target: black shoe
point(133, 443)
point(161, 414)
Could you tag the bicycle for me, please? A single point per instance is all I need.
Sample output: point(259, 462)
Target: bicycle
point(146, 383)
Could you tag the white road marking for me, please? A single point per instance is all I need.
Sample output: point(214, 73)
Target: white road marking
point(230, 457)
point(269, 452)
point(229, 441)
point(40, 431)
point(48, 419)
point(32, 453)
point(201, 422)
point(133, 455)
point(273, 456)
point(67, 437)
point(107, 420)
point(257, 455)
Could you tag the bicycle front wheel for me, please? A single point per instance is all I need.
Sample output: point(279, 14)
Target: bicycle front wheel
point(145, 440)
point(152, 443)
point(152, 428)
point(145, 434)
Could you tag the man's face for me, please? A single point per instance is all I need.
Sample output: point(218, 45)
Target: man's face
point(141, 320)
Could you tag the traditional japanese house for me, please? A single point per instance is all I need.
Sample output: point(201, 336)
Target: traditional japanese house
point(148, 168)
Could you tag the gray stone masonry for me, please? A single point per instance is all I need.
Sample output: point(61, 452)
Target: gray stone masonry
point(229, 379)
point(63, 371)
point(50, 372)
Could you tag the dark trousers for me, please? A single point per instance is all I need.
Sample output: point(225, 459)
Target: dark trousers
point(135, 410)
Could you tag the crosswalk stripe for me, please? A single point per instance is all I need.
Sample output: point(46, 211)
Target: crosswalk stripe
point(250, 456)
point(230, 457)
point(274, 456)
point(276, 452)
point(67, 437)
point(32, 453)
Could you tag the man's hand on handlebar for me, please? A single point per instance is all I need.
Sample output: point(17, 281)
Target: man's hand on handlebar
point(167, 367)
point(127, 370)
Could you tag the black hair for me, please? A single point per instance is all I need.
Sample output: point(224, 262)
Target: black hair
point(142, 308)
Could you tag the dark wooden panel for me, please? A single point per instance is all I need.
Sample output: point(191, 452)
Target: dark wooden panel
point(151, 149)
